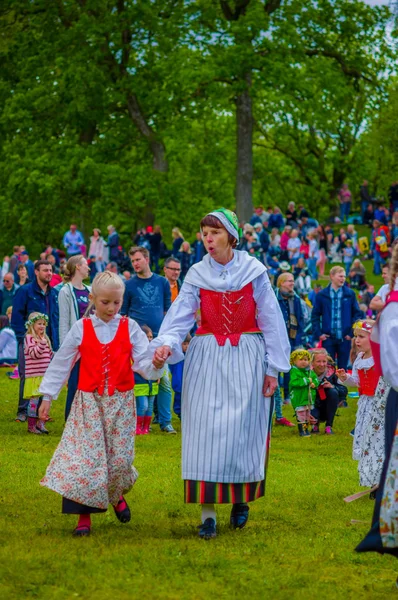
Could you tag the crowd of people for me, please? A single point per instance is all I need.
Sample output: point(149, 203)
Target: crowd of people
point(82, 313)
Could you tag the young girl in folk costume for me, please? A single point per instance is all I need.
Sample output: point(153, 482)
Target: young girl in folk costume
point(230, 373)
point(383, 535)
point(92, 466)
point(368, 446)
point(302, 388)
point(38, 354)
point(145, 393)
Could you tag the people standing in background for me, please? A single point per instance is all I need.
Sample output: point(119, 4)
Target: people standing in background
point(36, 296)
point(97, 253)
point(22, 277)
point(379, 245)
point(28, 264)
point(73, 301)
point(178, 238)
point(145, 392)
point(177, 371)
point(8, 341)
point(313, 254)
point(113, 244)
point(276, 219)
point(185, 258)
point(348, 256)
point(73, 241)
point(146, 300)
point(198, 248)
point(345, 198)
point(172, 270)
point(14, 260)
point(7, 293)
point(323, 250)
point(293, 247)
point(335, 312)
point(291, 215)
point(366, 199)
point(155, 241)
point(378, 302)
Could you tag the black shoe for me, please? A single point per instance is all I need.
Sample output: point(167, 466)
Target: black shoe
point(124, 515)
point(207, 530)
point(239, 516)
point(372, 495)
point(81, 531)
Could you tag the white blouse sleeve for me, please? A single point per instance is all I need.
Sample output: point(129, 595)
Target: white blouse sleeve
point(62, 363)
point(178, 321)
point(271, 323)
point(353, 379)
point(142, 361)
point(388, 344)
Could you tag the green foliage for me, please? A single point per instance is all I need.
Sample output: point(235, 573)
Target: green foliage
point(123, 112)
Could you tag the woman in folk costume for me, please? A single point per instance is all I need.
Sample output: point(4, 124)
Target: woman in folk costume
point(92, 465)
point(383, 535)
point(230, 374)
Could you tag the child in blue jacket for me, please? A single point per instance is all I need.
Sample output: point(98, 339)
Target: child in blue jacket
point(177, 371)
point(145, 392)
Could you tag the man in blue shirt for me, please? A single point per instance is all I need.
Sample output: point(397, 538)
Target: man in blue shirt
point(73, 241)
point(335, 311)
point(146, 300)
point(36, 296)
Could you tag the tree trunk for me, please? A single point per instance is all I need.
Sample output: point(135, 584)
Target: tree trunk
point(244, 155)
point(156, 145)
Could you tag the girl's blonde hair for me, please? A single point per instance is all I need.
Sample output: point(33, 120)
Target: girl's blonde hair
point(30, 328)
point(101, 281)
point(394, 266)
point(70, 268)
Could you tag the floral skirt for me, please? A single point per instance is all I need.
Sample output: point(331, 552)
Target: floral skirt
point(92, 464)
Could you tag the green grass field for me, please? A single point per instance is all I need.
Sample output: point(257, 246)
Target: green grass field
point(299, 542)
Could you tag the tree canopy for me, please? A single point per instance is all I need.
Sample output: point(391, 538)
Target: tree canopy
point(129, 111)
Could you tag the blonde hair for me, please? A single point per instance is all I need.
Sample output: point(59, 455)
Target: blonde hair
point(282, 278)
point(70, 267)
point(31, 331)
point(104, 280)
point(9, 313)
point(176, 233)
point(335, 270)
point(394, 266)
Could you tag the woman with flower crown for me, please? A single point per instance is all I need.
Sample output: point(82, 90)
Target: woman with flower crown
point(230, 372)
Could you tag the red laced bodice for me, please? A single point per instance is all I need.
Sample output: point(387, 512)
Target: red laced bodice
point(368, 380)
point(227, 315)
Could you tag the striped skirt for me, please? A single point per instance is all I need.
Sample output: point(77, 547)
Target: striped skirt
point(226, 420)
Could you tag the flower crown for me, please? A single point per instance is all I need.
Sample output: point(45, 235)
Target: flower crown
point(38, 317)
point(298, 354)
point(363, 325)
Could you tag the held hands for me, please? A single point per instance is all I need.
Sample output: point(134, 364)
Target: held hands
point(312, 385)
point(160, 356)
point(269, 386)
point(44, 409)
point(341, 374)
point(323, 337)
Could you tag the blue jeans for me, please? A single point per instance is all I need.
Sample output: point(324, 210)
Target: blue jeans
point(177, 404)
point(164, 400)
point(347, 267)
point(278, 403)
point(345, 208)
point(339, 350)
point(378, 263)
point(144, 405)
point(311, 262)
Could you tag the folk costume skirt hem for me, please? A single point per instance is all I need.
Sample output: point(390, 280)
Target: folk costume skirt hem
point(207, 492)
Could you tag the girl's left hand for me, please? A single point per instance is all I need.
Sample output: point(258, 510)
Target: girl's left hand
point(160, 356)
point(269, 386)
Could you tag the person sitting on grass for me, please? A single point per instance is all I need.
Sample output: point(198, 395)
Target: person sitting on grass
point(303, 384)
point(329, 393)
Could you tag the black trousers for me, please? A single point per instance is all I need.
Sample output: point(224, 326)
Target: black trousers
point(372, 542)
point(325, 410)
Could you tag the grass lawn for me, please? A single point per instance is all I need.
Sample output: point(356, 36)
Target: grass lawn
point(299, 542)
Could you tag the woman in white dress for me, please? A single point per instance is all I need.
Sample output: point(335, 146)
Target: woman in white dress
point(230, 373)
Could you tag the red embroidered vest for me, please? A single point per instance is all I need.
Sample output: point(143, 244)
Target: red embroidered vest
point(368, 380)
point(374, 336)
point(227, 315)
point(106, 363)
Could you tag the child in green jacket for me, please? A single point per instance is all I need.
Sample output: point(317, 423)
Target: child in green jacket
point(302, 386)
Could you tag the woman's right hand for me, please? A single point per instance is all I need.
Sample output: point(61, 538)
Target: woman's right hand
point(44, 409)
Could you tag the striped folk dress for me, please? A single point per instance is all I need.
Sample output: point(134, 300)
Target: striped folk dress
point(226, 420)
